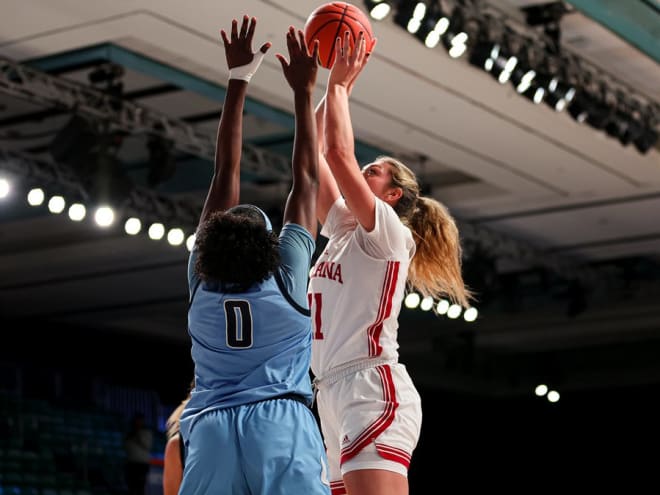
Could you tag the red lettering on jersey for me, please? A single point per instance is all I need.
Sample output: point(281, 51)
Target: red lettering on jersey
point(337, 276)
point(329, 270)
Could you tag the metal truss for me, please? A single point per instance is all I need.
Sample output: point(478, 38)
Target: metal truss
point(41, 88)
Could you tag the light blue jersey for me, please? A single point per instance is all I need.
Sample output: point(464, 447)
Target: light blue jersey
point(252, 352)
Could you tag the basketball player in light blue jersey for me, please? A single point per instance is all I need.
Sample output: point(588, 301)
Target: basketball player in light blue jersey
point(247, 427)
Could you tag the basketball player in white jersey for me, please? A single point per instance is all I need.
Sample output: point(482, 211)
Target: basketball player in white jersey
point(381, 236)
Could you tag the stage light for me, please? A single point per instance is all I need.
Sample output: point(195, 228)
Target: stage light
point(534, 92)
point(522, 78)
point(454, 311)
point(442, 307)
point(4, 188)
point(405, 13)
point(456, 38)
point(432, 26)
point(559, 94)
point(156, 231)
point(415, 20)
point(104, 216)
point(523, 74)
point(378, 10)
point(553, 396)
point(503, 66)
point(56, 204)
point(132, 226)
point(36, 196)
point(470, 314)
point(77, 212)
point(541, 390)
point(426, 304)
point(412, 300)
point(190, 242)
point(175, 237)
point(483, 53)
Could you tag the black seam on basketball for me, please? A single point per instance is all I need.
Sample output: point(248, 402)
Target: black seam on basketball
point(341, 21)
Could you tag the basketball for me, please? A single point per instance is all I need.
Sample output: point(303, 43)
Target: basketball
point(331, 20)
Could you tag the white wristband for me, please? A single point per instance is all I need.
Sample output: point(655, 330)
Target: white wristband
point(245, 72)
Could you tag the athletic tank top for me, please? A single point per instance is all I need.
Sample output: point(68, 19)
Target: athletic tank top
point(356, 288)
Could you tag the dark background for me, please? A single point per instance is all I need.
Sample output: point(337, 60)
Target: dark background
point(469, 442)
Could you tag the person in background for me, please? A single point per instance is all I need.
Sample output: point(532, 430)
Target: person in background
point(248, 427)
point(382, 235)
point(174, 456)
point(138, 444)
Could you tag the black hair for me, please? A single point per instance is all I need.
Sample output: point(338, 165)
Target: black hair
point(236, 250)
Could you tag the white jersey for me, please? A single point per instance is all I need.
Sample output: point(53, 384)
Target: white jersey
point(356, 288)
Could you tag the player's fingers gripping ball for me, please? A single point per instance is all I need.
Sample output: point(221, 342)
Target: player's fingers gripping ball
point(332, 20)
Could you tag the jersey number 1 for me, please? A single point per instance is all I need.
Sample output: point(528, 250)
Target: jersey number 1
point(315, 306)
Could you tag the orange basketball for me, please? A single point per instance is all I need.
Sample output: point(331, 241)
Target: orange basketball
point(331, 20)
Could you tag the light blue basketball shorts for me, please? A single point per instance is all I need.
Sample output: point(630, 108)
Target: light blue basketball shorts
point(267, 448)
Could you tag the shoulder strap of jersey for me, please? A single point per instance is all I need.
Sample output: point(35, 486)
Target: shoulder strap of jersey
point(287, 296)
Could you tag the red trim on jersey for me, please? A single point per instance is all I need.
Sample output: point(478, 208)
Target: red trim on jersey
point(394, 454)
point(337, 488)
point(384, 308)
point(381, 423)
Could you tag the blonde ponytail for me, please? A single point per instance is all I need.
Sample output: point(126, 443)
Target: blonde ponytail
point(436, 267)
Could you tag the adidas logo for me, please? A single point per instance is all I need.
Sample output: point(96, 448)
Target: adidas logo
point(345, 440)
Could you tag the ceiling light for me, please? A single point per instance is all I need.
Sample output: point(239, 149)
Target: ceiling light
point(36, 196)
point(104, 216)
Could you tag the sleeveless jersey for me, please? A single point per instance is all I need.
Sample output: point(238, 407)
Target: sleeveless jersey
point(249, 346)
point(356, 288)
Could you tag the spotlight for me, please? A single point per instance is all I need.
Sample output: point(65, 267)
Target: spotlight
point(432, 26)
point(412, 300)
point(132, 226)
point(442, 307)
point(377, 9)
point(522, 78)
point(559, 94)
point(190, 242)
point(77, 212)
point(503, 66)
point(405, 14)
point(56, 204)
point(36, 196)
point(483, 53)
point(104, 216)
point(426, 304)
point(455, 38)
point(156, 231)
point(176, 237)
point(534, 92)
point(4, 188)
point(454, 311)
